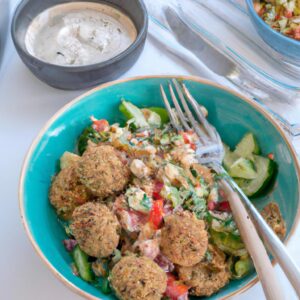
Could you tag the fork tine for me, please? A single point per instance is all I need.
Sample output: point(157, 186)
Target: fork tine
point(200, 133)
point(199, 113)
point(169, 110)
point(178, 109)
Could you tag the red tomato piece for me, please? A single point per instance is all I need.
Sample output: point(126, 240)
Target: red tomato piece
point(271, 156)
point(211, 205)
point(176, 290)
point(288, 13)
point(297, 33)
point(257, 7)
point(171, 278)
point(156, 190)
point(193, 146)
point(100, 125)
point(157, 213)
point(186, 137)
point(224, 206)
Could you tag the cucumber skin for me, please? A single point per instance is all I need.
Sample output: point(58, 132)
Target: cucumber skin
point(272, 172)
point(273, 168)
point(83, 266)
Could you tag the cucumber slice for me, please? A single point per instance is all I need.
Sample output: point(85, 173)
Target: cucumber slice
point(82, 264)
point(265, 169)
point(162, 113)
point(229, 157)
point(228, 243)
point(131, 111)
point(243, 168)
point(247, 146)
point(152, 118)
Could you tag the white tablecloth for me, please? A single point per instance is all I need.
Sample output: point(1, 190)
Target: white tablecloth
point(25, 105)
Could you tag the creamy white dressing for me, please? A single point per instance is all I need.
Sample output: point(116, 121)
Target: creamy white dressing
point(79, 33)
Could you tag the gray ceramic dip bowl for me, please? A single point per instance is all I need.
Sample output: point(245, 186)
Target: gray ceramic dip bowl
point(4, 20)
point(78, 77)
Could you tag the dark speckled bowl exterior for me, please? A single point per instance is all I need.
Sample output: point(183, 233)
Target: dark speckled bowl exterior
point(79, 77)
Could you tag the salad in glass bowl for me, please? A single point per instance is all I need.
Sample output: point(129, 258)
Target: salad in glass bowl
point(282, 15)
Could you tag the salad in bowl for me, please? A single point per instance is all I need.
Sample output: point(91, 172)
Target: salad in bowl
point(282, 15)
point(144, 219)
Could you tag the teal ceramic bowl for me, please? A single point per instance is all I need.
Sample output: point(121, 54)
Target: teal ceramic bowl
point(232, 115)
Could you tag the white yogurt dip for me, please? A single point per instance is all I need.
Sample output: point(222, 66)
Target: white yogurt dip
point(79, 33)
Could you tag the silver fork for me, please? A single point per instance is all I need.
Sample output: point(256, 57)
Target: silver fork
point(210, 151)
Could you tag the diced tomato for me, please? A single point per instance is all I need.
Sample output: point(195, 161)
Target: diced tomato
point(297, 33)
point(186, 137)
point(193, 146)
point(271, 156)
point(156, 190)
point(289, 32)
point(175, 290)
point(277, 17)
point(157, 213)
point(257, 6)
point(171, 278)
point(288, 13)
point(100, 125)
point(142, 134)
point(211, 205)
point(224, 206)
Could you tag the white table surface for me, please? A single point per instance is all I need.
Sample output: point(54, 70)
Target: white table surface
point(25, 105)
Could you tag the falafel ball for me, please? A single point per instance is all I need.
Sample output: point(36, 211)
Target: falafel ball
point(67, 192)
point(102, 170)
point(207, 277)
point(271, 213)
point(138, 278)
point(184, 239)
point(96, 229)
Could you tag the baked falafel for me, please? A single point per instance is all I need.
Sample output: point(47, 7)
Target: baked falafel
point(96, 229)
point(138, 278)
point(208, 276)
point(102, 170)
point(66, 192)
point(271, 213)
point(184, 239)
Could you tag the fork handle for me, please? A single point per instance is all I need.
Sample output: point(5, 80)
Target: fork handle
point(254, 245)
point(273, 243)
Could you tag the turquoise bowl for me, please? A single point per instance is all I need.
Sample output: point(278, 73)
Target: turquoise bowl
point(232, 114)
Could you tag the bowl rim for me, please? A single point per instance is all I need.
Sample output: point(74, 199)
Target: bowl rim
point(269, 28)
point(67, 106)
point(82, 68)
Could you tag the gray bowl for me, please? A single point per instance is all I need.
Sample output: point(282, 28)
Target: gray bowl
point(4, 20)
point(78, 77)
